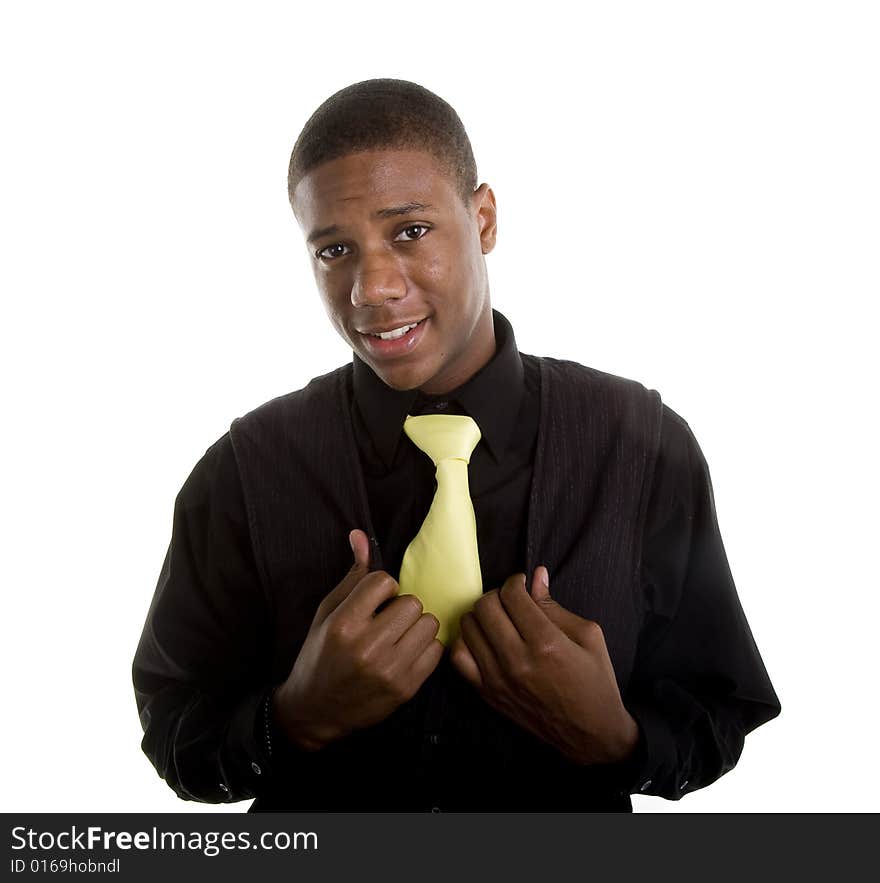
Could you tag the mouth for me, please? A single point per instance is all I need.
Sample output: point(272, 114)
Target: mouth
point(396, 341)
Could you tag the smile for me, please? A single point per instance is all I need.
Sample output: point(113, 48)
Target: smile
point(393, 335)
point(395, 341)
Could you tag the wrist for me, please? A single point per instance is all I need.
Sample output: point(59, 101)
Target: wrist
point(295, 728)
point(617, 746)
point(627, 739)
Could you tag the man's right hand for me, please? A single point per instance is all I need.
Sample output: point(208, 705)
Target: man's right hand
point(357, 666)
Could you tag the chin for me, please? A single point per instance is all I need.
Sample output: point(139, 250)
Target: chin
point(395, 380)
point(401, 378)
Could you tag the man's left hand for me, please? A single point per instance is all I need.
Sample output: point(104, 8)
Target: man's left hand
point(547, 669)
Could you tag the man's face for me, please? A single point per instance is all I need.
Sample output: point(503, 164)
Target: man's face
point(392, 243)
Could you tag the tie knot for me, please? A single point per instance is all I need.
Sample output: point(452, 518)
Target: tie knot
point(443, 436)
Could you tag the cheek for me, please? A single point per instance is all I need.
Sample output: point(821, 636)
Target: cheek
point(334, 314)
point(441, 271)
point(334, 295)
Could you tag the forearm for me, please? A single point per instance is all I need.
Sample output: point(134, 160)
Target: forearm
point(203, 660)
point(699, 685)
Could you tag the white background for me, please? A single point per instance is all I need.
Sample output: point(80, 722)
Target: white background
point(688, 195)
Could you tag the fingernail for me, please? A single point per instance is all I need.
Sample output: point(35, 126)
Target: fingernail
point(545, 577)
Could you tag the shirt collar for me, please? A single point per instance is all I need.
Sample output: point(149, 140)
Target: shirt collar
point(492, 397)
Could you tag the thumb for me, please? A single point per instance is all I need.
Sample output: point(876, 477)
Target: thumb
point(360, 547)
point(541, 585)
point(571, 625)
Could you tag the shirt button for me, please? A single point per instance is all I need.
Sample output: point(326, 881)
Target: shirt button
point(256, 768)
point(645, 786)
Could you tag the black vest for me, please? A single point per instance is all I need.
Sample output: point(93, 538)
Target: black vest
point(597, 444)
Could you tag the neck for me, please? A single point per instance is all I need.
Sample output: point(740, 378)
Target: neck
point(478, 356)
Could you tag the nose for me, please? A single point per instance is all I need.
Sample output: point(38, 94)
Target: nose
point(375, 283)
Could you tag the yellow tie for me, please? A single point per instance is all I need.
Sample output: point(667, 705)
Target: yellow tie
point(441, 566)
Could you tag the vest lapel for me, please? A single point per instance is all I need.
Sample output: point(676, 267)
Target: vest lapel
point(597, 442)
point(352, 463)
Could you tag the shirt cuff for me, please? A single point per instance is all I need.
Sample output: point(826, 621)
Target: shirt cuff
point(655, 757)
point(249, 754)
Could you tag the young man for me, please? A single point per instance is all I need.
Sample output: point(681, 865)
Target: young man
point(539, 614)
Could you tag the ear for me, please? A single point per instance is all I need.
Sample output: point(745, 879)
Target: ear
point(483, 202)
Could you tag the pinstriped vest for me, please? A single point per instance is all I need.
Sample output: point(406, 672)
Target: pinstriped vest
point(598, 438)
point(298, 460)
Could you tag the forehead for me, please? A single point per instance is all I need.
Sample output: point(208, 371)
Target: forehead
point(372, 180)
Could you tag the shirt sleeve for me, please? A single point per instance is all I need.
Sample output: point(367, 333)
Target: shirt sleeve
point(201, 671)
point(699, 684)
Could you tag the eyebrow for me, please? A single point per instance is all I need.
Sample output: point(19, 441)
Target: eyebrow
point(407, 208)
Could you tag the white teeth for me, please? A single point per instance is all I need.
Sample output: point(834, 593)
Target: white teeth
point(397, 332)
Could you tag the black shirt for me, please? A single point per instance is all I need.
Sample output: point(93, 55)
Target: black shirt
point(686, 581)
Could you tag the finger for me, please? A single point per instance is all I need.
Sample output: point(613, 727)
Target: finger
point(392, 621)
point(480, 649)
point(372, 590)
point(575, 627)
point(499, 631)
point(360, 547)
point(425, 663)
point(416, 638)
point(525, 614)
point(540, 583)
point(464, 662)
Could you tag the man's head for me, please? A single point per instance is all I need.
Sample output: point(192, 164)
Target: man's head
point(382, 180)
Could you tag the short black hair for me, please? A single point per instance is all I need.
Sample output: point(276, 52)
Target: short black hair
point(385, 114)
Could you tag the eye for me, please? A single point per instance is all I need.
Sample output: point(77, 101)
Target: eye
point(331, 252)
point(412, 229)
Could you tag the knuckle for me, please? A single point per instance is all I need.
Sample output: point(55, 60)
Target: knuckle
point(592, 631)
point(458, 654)
point(340, 631)
point(386, 580)
point(395, 687)
point(411, 604)
point(512, 584)
point(402, 693)
point(520, 668)
point(547, 649)
point(384, 676)
point(485, 601)
point(362, 658)
point(493, 682)
point(375, 578)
